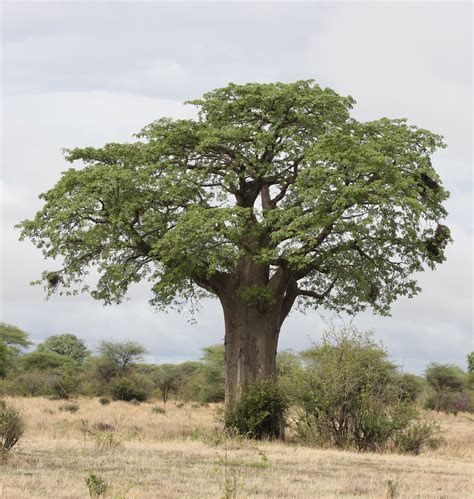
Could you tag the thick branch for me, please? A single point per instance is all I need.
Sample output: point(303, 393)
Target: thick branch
point(217, 283)
point(266, 200)
point(284, 186)
point(314, 294)
point(288, 300)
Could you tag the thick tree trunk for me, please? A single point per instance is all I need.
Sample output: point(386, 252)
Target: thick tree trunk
point(251, 338)
point(255, 305)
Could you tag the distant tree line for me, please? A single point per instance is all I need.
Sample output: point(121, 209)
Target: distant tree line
point(62, 366)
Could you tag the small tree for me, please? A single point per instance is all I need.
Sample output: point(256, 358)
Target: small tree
point(213, 370)
point(166, 378)
point(121, 354)
point(446, 380)
point(66, 344)
point(44, 361)
point(132, 386)
point(12, 341)
point(13, 337)
point(190, 380)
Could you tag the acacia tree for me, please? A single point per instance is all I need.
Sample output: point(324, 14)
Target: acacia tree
point(12, 341)
point(66, 344)
point(273, 196)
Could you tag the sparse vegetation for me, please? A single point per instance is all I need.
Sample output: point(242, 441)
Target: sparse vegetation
point(97, 486)
point(181, 456)
point(69, 408)
point(158, 410)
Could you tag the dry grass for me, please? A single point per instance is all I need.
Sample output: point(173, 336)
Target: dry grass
point(182, 453)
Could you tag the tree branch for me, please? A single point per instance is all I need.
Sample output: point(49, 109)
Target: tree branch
point(288, 300)
point(314, 294)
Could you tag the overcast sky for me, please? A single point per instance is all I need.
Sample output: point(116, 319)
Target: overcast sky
point(87, 73)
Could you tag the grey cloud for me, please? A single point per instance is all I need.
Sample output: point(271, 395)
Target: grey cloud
point(408, 60)
point(161, 49)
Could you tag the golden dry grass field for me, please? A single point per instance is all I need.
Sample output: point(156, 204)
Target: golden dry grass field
point(183, 453)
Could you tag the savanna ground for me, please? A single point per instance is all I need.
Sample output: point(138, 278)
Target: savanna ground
point(183, 453)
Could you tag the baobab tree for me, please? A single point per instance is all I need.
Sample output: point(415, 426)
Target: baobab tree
point(274, 197)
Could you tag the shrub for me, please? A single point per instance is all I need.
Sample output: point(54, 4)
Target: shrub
point(35, 383)
point(450, 402)
point(73, 408)
point(106, 440)
point(97, 486)
point(348, 394)
point(260, 411)
point(463, 402)
point(416, 436)
point(127, 389)
point(103, 427)
point(12, 427)
point(104, 400)
point(158, 410)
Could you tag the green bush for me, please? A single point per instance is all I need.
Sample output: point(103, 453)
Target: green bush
point(127, 389)
point(260, 411)
point(97, 486)
point(348, 394)
point(213, 372)
point(104, 400)
point(12, 427)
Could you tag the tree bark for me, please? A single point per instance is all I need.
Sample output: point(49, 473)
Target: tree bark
point(251, 339)
point(252, 327)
